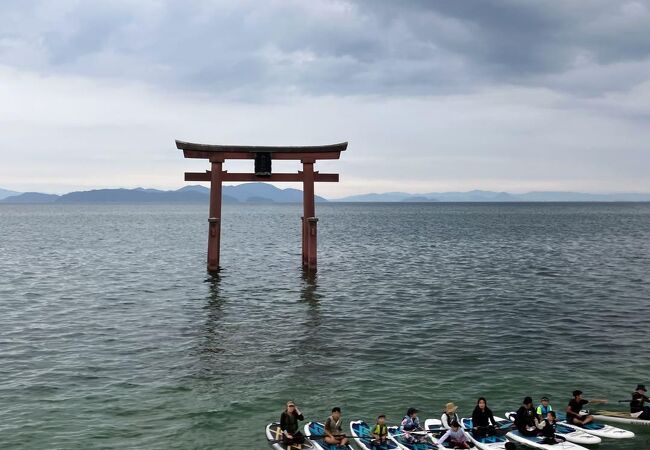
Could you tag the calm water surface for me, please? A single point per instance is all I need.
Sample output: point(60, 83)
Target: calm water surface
point(113, 336)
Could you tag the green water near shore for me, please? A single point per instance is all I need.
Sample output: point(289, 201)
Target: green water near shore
point(113, 336)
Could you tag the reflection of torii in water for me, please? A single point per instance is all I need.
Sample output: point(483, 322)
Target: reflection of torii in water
point(263, 157)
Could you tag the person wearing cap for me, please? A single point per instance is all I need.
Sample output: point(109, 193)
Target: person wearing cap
point(289, 424)
point(637, 404)
point(334, 431)
point(543, 409)
point(526, 420)
point(456, 436)
point(573, 415)
point(449, 415)
point(380, 433)
point(411, 423)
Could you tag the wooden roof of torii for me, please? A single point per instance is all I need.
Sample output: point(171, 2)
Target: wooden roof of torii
point(205, 151)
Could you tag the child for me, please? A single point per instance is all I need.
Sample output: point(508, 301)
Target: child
point(380, 433)
point(543, 409)
point(548, 429)
point(411, 423)
point(456, 436)
point(333, 431)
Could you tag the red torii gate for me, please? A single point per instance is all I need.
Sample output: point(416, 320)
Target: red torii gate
point(263, 156)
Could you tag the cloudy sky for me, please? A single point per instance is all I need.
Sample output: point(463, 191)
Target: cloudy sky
point(431, 95)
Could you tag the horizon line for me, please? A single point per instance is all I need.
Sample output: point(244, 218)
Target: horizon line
point(345, 196)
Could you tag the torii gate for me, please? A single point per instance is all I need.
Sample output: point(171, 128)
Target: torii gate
point(263, 156)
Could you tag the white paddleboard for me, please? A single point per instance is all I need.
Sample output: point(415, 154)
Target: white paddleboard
point(274, 435)
point(362, 434)
point(397, 436)
point(599, 429)
point(568, 432)
point(317, 430)
point(619, 417)
point(537, 442)
point(436, 431)
point(497, 442)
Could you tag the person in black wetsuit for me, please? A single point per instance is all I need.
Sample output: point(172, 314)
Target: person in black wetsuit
point(289, 424)
point(548, 426)
point(573, 415)
point(637, 404)
point(483, 423)
point(526, 419)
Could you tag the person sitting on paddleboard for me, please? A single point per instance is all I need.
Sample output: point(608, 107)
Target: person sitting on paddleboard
point(638, 409)
point(289, 424)
point(449, 415)
point(573, 415)
point(548, 426)
point(333, 431)
point(411, 423)
point(543, 409)
point(483, 422)
point(526, 420)
point(456, 436)
point(380, 433)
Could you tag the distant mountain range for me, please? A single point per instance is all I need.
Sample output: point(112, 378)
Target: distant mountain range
point(4, 193)
point(267, 193)
point(243, 193)
point(489, 196)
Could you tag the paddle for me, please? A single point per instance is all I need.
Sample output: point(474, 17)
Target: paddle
point(499, 430)
point(314, 436)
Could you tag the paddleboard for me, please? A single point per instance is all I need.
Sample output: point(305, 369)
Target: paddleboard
point(363, 436)
point(568, 432)
point(397, 436)
point(495, 442)
point(317, 430)
point(598, 429)
point(436, 431)
point(536, 442)
point(274, 434)
point(619, 417)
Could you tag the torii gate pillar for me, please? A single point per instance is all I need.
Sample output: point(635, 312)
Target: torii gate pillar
point(214, 221)
point(263, 156)
point(309, 221)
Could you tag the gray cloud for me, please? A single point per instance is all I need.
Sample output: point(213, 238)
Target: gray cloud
point(470, 94)
point(249, 50)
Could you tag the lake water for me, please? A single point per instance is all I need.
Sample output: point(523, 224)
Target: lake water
point(112, 335)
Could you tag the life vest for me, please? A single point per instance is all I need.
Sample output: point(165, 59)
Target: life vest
point(409, 424)
point(544, 410)
point(549, 429)
point(380, 430)
point(451, 418)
